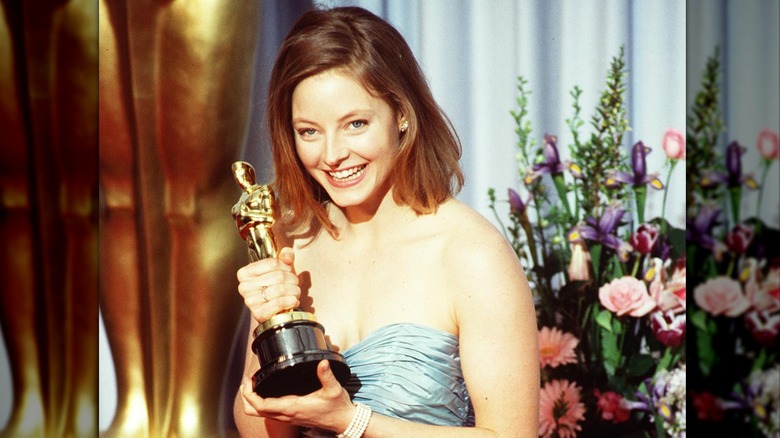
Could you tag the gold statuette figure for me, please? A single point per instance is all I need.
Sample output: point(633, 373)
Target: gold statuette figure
point(290, 344)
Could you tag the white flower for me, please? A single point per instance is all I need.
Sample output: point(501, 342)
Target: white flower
point(668, 396)
point(764, 390)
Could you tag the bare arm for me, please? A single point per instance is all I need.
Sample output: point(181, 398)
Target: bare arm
point(498, 338)
point(253, 426)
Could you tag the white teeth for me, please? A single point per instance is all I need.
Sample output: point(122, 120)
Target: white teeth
point(347, 174)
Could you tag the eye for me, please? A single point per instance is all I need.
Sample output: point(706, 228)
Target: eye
point(306, 132)
point(357, 124)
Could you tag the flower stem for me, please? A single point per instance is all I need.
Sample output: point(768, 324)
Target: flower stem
point(666, 192)
point(641, 196)
point(636, 265)
point(735, 198)
point(560, 187)
point(766, 164)
point(498, 219)
point(732, 264)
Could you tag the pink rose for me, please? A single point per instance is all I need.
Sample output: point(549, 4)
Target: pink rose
point(674, 144)
point(768, 144)
point(626, 295)
point(721, 296)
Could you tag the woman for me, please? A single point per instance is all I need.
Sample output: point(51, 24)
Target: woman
point(424, 298)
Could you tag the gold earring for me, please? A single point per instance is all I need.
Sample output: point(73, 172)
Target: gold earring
point(404, 126)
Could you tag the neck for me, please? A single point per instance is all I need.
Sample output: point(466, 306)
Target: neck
point(370, 221)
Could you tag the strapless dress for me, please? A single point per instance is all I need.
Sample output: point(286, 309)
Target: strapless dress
point(408, 371)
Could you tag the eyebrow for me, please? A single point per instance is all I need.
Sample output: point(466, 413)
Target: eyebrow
point(355, 113)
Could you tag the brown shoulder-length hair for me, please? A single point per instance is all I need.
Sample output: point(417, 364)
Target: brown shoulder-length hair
point(358, 42)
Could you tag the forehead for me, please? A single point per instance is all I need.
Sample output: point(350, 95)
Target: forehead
point(334, 91)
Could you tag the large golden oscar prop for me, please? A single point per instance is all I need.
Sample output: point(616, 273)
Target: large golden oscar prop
point(290, 344)
point(175, 82)
point(48, 216)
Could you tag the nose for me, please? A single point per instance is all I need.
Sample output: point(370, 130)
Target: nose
point(335, 152)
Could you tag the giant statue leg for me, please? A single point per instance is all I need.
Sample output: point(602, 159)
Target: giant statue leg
point(178, 78)
point(18, 315)
point(48, 216)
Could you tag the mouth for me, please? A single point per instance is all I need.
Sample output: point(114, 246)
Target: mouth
point(347, 175)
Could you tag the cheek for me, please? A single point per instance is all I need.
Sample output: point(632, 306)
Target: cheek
point(307, 155)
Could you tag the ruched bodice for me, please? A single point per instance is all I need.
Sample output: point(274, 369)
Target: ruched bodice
point(409, 371)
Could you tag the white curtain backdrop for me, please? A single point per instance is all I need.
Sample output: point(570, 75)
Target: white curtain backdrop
point(473, 51)
point(748, 35)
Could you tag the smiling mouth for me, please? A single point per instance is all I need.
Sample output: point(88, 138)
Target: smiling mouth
point(347, 174)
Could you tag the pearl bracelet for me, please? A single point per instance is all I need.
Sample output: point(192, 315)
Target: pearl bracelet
point(359, 422)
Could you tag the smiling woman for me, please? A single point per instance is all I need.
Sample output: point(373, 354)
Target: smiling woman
point(346, 139)
point(410, 282)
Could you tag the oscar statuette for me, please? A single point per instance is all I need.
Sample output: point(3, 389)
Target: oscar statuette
point(290, 344)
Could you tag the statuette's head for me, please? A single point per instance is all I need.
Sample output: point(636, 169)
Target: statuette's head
point(256, 206)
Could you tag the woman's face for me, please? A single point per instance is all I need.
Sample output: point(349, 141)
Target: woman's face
point(345, 137)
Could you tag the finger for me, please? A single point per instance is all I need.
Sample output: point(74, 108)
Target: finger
point(263, 311)
point(258, 283)
point(260, 267)
point(249, 398)
point(287, 255)
point(280, 304)
point(326, 376)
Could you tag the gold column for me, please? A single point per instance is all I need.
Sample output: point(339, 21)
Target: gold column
point(48, 218)
point(175, 78)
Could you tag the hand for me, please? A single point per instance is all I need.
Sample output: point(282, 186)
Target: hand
point(326, 408)
point(270, 286)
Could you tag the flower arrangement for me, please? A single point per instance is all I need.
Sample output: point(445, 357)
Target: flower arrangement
point(734, 266)
point(609, 287)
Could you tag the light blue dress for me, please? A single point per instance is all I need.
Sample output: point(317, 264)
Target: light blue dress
point(411, 372)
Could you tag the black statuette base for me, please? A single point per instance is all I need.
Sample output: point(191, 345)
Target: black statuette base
point(288, 354)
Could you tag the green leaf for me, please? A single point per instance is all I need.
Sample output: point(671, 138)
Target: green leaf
point(615, 268)
point(666, 360)
point(760, 361)
point(604, 319)
point(640, 365)
point(699, 320)
point(595, 257)
point(677, 240)
point(705, 351)
point(617, 326)
point(610, 352)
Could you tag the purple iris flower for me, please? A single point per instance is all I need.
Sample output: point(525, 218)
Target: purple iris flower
point(699, 230)
point(516, 204)
point(552, 163)
point(733, 176)
point(639, 166)
point(603, 230)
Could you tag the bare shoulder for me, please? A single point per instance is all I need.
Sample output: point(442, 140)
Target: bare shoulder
point(475, 245)
point(483, 273)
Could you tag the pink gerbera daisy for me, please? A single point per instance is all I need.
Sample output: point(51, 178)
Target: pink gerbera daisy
point(556, 347)
point(560, 409)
